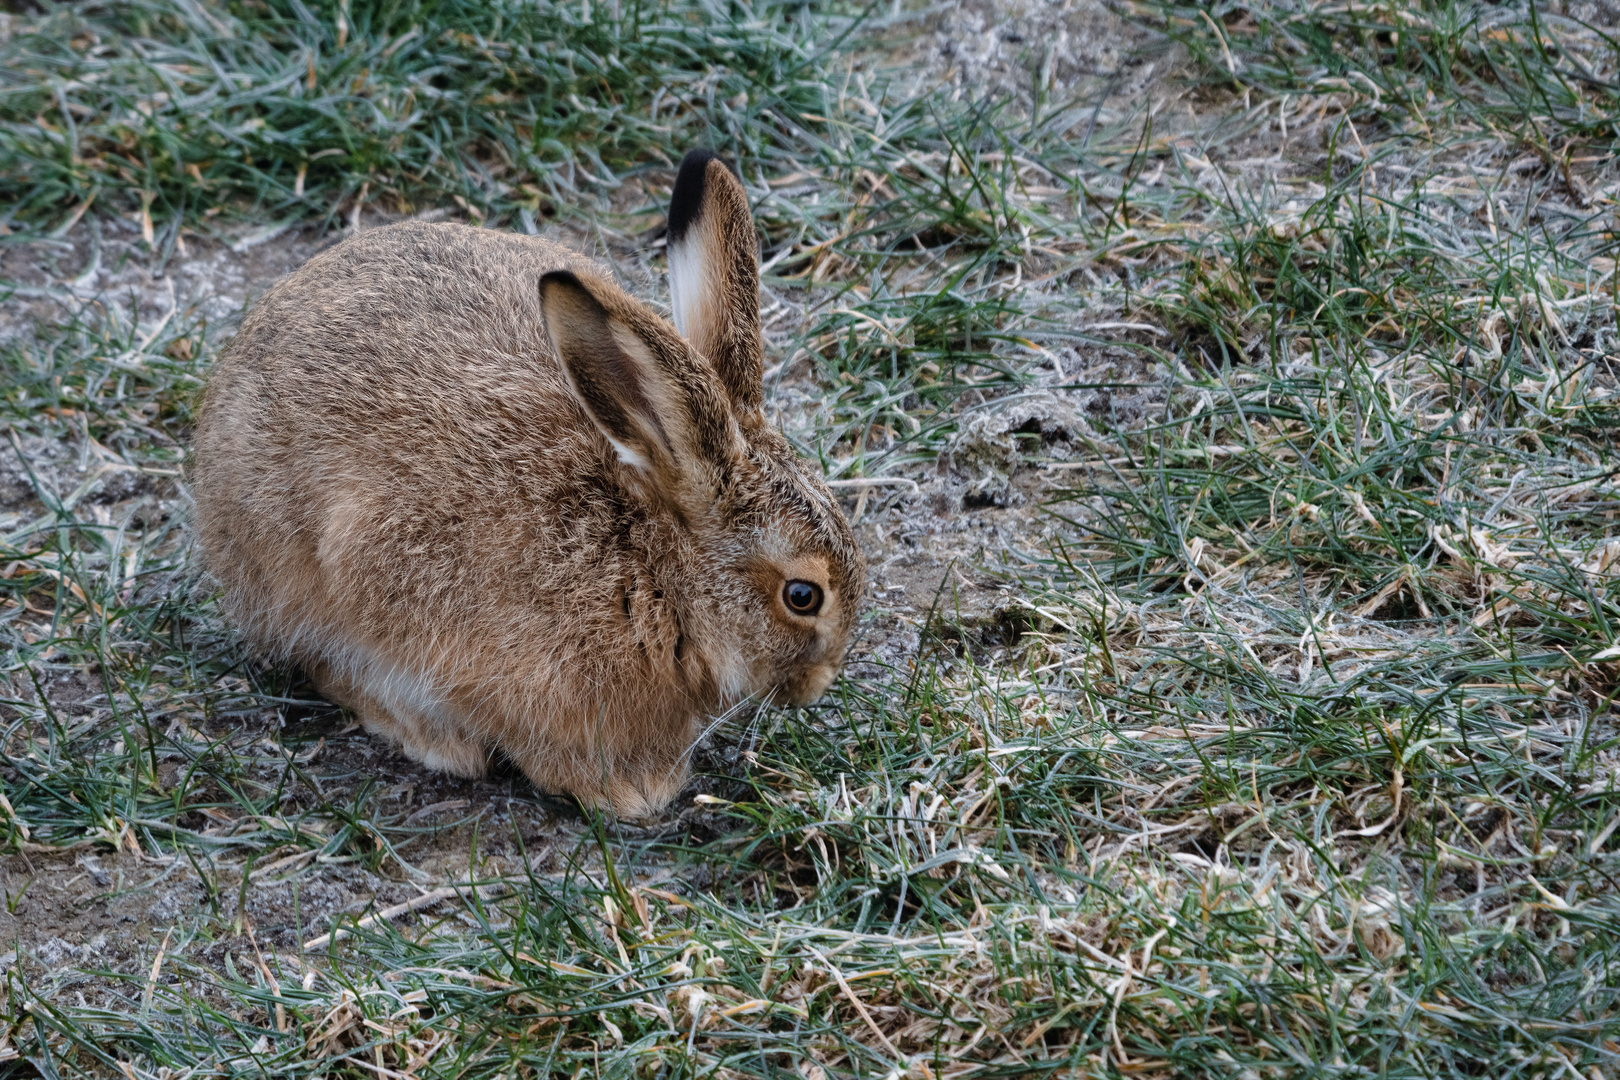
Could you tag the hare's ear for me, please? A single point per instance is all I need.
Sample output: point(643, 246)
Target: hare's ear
point(714, 275)
point(665, 418)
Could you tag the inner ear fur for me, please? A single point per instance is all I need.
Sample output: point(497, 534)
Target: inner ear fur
point(714, 275)
point(664, 413)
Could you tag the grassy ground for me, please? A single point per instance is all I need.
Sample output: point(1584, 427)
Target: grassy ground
point(1291, 749)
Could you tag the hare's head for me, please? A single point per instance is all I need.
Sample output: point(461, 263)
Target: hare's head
point(764, 571)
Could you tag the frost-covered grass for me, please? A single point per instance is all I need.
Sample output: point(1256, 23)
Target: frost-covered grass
point(1294, 755)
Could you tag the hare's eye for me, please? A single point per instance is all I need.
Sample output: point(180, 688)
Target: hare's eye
point(802, 597)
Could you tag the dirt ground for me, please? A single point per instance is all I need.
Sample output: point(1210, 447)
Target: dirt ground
point(933, 543)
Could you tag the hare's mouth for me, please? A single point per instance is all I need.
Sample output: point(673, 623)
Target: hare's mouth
point(807, 686)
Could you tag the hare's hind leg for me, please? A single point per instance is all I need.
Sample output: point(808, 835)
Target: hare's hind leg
point(438, 745)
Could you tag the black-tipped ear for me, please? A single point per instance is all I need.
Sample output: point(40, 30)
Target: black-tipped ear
point(686, 202)
point(612, 373)
point(714, 275)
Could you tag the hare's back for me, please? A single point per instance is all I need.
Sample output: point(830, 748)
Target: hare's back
point(403, 317)
point(414, 344)
point(398, 389)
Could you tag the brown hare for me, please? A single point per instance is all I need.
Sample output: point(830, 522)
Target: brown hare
point(491, 503)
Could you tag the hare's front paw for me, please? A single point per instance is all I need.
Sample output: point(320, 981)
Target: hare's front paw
point(630, 796)
point(640, 797)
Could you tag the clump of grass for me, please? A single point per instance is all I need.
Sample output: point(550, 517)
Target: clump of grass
point(1407, 120)
point(942, 256)
point(270, 110)
point(124, 693)
point(1541, 79)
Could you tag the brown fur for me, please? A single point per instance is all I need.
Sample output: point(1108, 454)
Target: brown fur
point(488, 505)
